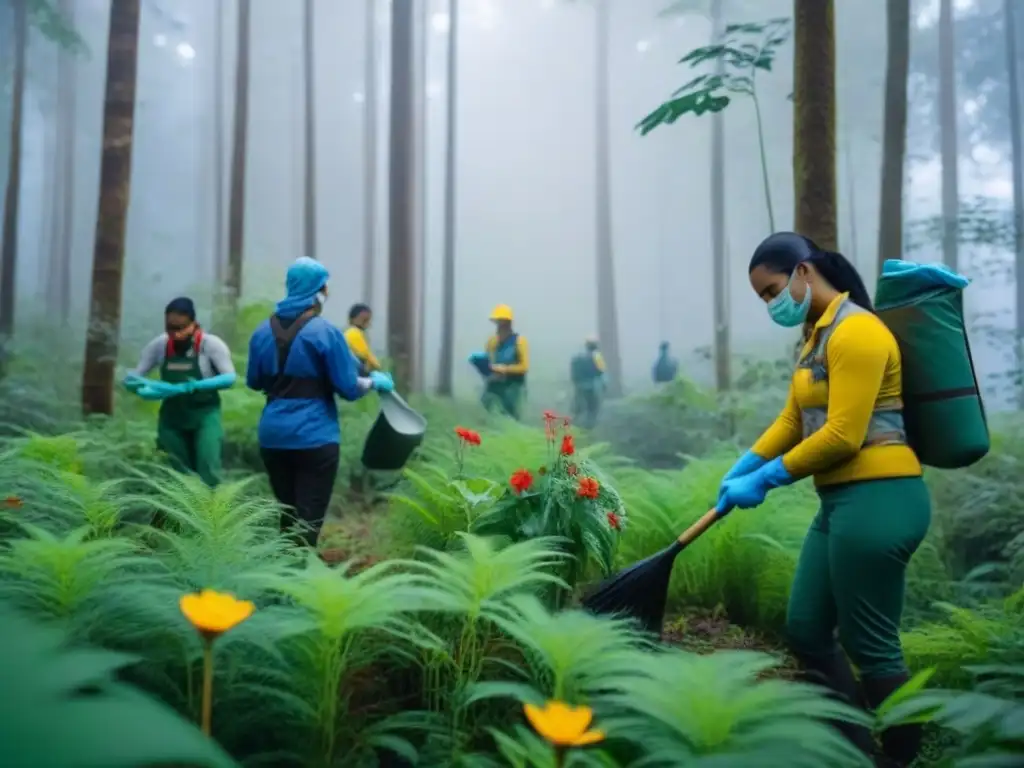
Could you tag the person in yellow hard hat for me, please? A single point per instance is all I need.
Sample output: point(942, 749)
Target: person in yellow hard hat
point(505, 362)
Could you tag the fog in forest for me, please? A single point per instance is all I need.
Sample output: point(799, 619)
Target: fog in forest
point(525, 180)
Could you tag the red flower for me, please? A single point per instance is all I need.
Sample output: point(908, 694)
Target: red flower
point(588, 488)
point(521, 480)
point(614, 521)
point(468, 436)
point(568, 445)
point(13, 502)
point(550, 415)
point(571, 470)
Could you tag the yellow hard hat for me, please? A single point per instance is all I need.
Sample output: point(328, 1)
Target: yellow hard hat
point(502, 312)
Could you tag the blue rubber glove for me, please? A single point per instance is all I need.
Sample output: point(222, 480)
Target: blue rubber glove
point(381, 382)
point(221, 381)
point(164, 388)
point(133, 382)
point(157, 390)
point(475, 356)
point(750, 490)
point(747, 463)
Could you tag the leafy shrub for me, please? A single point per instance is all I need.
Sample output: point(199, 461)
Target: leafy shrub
point(64, 706)
point(432, 654)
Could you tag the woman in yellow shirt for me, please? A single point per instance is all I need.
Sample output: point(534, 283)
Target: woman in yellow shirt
point(842, 425)
point(358, 322)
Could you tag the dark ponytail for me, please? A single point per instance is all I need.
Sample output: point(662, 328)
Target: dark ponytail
point(784, 251)
point(842, 276)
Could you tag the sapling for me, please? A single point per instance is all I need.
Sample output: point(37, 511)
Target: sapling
point(742, 50)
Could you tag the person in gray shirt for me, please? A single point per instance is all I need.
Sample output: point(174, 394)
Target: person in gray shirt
point(194, 367)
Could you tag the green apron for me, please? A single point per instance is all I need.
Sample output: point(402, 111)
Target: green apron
point(189, 428)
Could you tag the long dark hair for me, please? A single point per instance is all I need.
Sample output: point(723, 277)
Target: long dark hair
point(782, 252)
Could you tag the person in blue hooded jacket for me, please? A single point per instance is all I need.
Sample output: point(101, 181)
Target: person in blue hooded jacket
point(301, 361)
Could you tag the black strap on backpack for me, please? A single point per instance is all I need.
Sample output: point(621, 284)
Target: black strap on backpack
point(293, 387)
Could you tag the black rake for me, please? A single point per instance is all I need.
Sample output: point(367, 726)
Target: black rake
point(639, 592)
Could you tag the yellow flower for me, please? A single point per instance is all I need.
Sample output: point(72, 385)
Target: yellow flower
point(563, 725)
point(214, 613)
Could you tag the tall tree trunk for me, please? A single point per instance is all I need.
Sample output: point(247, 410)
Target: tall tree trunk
point(446, 363)
point(719, 253)
point(948, 129)
point(370, 165)
point(309, 81)
point(1011, 21)
point(894, 132)
point(421, 48)
point(9, 248)
point(115, 192)
point(59, 282)
point(402, 195)
point(236, 209)
point(814, 120)
point(218, 144)
point(607, 312)
point(49, 191)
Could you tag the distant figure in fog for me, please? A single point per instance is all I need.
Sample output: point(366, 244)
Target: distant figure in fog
point(504, 364)
point(665, 367)
point(587, 373)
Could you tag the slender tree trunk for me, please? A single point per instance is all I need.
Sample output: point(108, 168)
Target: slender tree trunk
point(1011, 22)
point(446, 363)
point(115, 192)
point(370, 166)
point(68, 122)
point(218, 144)
point(9, 247)
point(236, 209)
point(719, 255)
point(417, 384)
point(402, 195)
point(814, 120)
point(309, 75)
point(948, 129)
point(49, 197)
point(607, 312)
point(894, 132)
point(58, 281)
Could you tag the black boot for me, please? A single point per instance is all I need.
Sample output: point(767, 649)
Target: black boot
point(834, 673)
point(902, 743)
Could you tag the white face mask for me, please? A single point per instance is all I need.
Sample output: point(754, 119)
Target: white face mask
point(321, 298)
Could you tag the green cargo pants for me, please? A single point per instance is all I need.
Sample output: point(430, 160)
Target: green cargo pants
point(196, 447)
point(851, 574)
point(504, 395)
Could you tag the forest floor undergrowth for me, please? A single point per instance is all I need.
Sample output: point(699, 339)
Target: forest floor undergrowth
point(355, 530)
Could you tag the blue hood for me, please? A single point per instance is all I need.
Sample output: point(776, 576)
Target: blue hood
point(304, 280)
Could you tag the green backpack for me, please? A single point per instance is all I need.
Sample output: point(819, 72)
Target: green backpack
point(942, 409)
